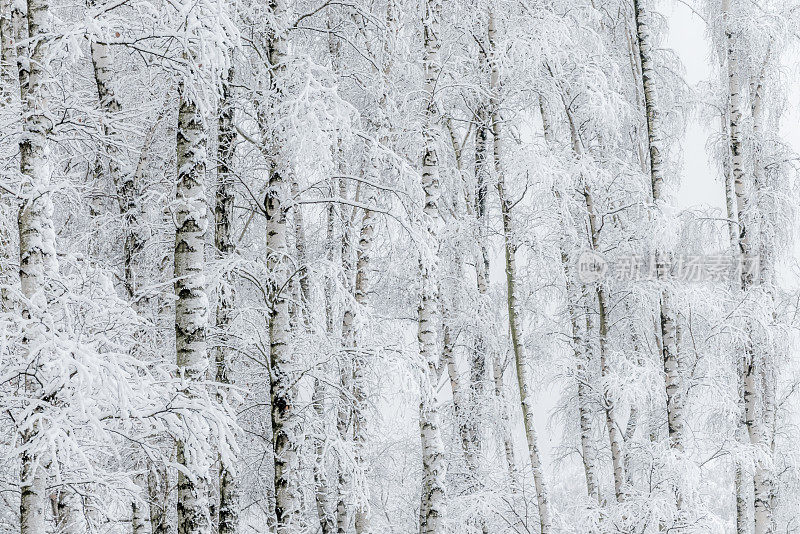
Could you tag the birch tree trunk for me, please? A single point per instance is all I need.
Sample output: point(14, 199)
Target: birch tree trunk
point(158, 496)
point(669, 347)
point(8, 79)
point(322, 491)
point(362, 282)
point(765, 476)
point(466, 394)
point(125, 183)
point(754, 363)
point(191, 308)
point(514, 313)
point(600, 300)
point(37, 244)
point(344, 506)
point(138, 518)
point(228, 516)
point(282, 370)
point(433, 507)
point(579, 342)
point(482, 132)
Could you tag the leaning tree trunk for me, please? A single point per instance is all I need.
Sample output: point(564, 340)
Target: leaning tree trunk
point(514, 312)
point(37, 242)
point(482, 277)
point(191, 307)
point(433, 506)
point(579, 343)
point(669, 347)
point(126, 183)
point(600, 300)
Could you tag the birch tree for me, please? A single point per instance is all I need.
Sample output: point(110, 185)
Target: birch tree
point(514, 313)
point(433, 508)
point(37, 253)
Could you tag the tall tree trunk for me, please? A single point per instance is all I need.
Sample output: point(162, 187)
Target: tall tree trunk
point(669, 347)
point(37, 244)
point(482, 132)
point(138, 518)
point(126, 184)
point(66, 513)
point(600, 303)
point(433, 507)
point(514, 313)
point(228, 515)
point(754, 362)
point(158, 497)
point(9, 81)
point(282, 369)
point(362, 283)
point(344, 418)
point(191, 308)
point(466, 393)
point(579, 343)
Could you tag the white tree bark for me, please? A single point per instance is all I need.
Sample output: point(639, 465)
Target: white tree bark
point(433, 507)
point(466, 393)
point(158, 496)
point(9, 82)
point(756, 378)
point(514, 312)
point(669, 347)
point(344, 418)
point(362, 284)
point(139, 518)
point(66, 512)
point(482, 131)
point(191, 308)
point(600, 303)
point(37, 252)
point(285, 436)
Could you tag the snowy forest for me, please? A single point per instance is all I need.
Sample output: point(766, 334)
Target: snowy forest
point(398, 267)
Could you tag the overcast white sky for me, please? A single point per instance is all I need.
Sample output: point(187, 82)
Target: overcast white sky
point(701, 183)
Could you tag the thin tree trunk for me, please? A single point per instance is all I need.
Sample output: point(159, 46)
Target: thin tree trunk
point(362, 286)
point(138, 518)
point(66, 513)
point(579, 343)
point(158, 497)
point(125, 182)
point(433, 507)
point(344, 505)
point(228, 515)
point(322, 493)
point(669, 348)
point(754, 363)
point(600, 301)
point(8, 80)
point(465, 395)
point(730, 207)
point(514, 313)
